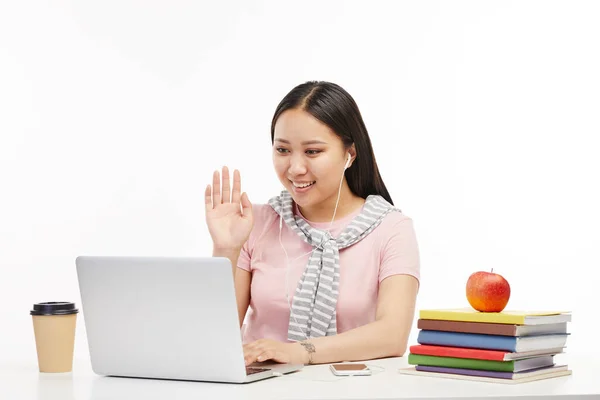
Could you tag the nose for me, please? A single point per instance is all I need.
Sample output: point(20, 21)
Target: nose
point(297, 166)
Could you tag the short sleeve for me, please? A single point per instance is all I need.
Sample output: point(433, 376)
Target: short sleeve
point(263, 217)
point(244, 258)
point(400, 255)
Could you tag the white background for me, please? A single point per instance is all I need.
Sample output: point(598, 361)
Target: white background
point(483, 116)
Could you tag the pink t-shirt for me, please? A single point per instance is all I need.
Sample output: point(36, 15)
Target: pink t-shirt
point(390, 249)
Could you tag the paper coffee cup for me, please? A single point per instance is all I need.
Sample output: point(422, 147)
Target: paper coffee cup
point(54, 327)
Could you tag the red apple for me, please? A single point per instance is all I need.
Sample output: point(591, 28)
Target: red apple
point(487, 291)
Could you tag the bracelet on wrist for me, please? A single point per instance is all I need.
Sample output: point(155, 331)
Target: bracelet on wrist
point(310, 349)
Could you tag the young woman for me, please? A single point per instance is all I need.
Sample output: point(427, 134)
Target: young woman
point(328, 270)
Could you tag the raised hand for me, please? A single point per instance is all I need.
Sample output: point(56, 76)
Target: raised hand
point(228, 214)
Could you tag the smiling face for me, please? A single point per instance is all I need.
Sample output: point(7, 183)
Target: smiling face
point(309, 160)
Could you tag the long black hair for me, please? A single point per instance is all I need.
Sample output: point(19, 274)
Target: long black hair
point(332, 105)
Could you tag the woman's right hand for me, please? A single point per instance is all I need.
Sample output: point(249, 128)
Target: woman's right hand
point(228, 223)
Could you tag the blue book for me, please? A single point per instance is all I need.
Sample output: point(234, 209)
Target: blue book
point(492, 342)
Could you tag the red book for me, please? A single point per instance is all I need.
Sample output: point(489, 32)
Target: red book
point(479, 354)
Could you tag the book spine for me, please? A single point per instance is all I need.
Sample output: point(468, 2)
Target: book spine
point(458, 352)
point(469, 340)
point(465, 371)
point(467, 327)
point(451, 362)
point(497, 318)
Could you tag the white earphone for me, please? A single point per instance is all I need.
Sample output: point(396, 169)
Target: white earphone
point(287, 268)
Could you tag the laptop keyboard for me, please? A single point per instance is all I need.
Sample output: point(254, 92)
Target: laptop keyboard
point(254, 370)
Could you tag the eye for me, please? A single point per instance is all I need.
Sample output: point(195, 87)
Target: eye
point(312, 152)
point(280, 150)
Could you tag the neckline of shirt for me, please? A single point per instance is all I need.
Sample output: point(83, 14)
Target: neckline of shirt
point(336, 223)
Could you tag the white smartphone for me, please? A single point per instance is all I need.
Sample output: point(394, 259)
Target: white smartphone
point(350, 369)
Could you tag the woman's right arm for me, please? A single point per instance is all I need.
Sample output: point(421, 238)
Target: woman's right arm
point(242, 280)
point(230, 221)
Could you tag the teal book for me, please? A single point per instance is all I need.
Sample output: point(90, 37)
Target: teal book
point(492, 342)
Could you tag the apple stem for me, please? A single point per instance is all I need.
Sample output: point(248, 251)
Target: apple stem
point(492, 270)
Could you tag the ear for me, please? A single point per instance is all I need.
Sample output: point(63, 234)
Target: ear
point(352, 152)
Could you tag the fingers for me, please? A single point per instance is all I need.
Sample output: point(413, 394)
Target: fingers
point(226, 193)
point(266, 355)
point(260, 357)
point(207, 199)
point(246, 206)
point(252, 351)
point(237, 186)
point(216, 189)
point(222, 193)
point(250, 356)
point(253, 347)
point(263, 350)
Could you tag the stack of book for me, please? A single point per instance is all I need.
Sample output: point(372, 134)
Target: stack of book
point(505, 347)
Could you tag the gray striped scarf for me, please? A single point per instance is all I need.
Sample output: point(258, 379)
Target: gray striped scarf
point(313, 312)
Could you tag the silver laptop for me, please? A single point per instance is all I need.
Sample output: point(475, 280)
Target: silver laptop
point(165, 318)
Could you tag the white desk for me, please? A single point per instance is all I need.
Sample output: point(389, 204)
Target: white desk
point(23, 381)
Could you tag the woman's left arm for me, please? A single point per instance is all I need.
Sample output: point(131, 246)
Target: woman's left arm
point(387, 336)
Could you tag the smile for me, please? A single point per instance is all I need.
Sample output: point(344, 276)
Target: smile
point(303, 185)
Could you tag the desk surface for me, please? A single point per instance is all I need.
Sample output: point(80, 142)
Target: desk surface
point(23, 381)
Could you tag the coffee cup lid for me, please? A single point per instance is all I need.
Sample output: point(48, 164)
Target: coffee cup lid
point(54, 308)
